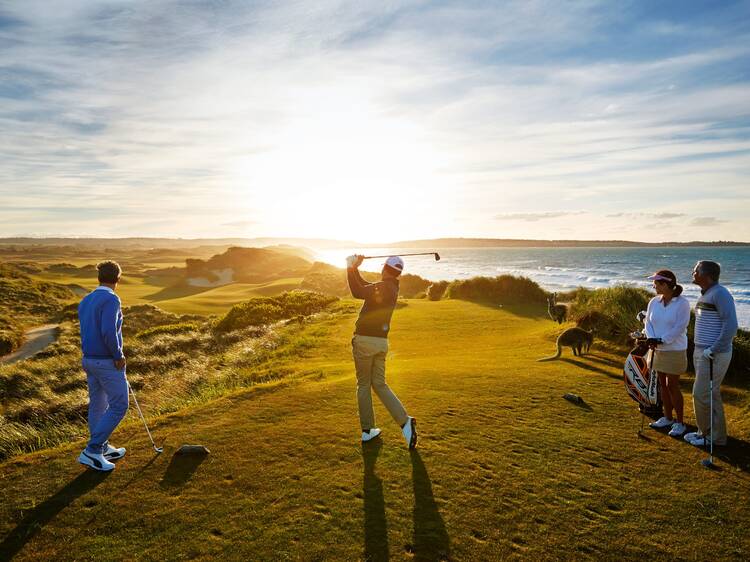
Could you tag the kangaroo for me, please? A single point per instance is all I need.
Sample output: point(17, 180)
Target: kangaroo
point(558, 312)
point(577, 338)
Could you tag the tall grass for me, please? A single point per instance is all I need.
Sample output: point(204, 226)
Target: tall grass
point(11, 334)
point(266, 310)
point(611, 311)
point(44, 399)
point(503, 289)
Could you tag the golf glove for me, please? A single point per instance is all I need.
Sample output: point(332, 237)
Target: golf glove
point(641, 316)
point(708, 353)
point(353, 261)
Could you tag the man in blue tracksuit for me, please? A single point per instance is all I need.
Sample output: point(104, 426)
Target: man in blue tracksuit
point(715, 328)
point(100, 315)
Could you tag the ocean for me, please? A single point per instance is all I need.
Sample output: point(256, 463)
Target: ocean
point(561, 269)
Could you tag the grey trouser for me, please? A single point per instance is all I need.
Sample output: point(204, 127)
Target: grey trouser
point(369, 360)
point(702, 396)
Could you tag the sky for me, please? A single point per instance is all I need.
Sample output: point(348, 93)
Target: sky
point(376, 121)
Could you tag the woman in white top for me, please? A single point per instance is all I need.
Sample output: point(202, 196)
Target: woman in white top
point(667, 319)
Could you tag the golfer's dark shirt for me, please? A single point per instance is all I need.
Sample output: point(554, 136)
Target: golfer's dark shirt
point(380, 300)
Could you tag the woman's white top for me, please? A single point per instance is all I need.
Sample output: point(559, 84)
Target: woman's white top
point(668, 322)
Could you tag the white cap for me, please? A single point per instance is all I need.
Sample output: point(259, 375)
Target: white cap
point(395, 262)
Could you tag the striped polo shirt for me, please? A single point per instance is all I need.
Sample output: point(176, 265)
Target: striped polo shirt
point(715, 319)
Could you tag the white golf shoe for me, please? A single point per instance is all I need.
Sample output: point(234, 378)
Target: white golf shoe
point(692, 436)
point(372, 434)
point(677, 429)
point(410, 432)
point(97, 462)
point(114, 453)
point(661, 422)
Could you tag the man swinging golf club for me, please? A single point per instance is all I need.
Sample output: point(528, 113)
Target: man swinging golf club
point(100, 315)
point(370, 346)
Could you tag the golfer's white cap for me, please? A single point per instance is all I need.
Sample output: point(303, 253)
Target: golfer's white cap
point(395, 262)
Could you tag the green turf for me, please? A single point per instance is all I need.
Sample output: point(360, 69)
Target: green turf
point(505, 467)
point(220, 299)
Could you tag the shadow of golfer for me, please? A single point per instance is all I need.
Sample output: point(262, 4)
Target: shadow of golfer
point(431, 541)
point(42, 514)
point(376, 526)
point(180, 470)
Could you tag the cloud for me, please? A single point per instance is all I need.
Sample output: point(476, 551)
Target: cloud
point(240, 223)
point(707, 221)
point(277, 109)
point(535, 217)
point(658, 216)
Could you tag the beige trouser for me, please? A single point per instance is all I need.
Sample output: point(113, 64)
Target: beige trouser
point(369, 360)
point(702, 395)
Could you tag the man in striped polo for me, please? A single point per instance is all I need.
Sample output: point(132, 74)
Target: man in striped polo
point(715, 328)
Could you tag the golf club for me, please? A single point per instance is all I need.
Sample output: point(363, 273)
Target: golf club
point(157, 449)
point(709, 462)
point(437, 256)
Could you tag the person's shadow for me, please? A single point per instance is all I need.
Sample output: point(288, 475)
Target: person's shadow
point(431, 541)
point(376, 527)
point(42, 514)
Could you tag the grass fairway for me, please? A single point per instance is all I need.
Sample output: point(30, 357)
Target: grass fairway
point(505, 467)
point(221, 299)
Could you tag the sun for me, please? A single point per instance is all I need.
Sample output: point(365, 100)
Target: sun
point(348, 171)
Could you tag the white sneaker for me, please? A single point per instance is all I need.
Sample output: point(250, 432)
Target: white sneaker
point(410, 432)
point(372, 434)
point(114, 453)
point(700, 442)
point(692, 436)
point(677, 429)
point(97, 462)
point(661, 422)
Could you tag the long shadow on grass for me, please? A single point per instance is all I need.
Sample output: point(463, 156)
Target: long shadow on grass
point(735, 453)
point(37, 518)
point(589, 367)
point(376, 526)
point(180, 470)
point(431, 541)
point(605, 360)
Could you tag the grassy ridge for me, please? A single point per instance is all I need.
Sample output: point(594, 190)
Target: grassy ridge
point(506, 468)
point(172, 360)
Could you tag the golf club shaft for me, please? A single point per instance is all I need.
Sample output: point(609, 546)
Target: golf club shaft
point(401, 255)
point(142, 418)
point(711, 402)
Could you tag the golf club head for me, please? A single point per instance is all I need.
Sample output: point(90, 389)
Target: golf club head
point(158, 449)
point(709, 464)
point(437, 256)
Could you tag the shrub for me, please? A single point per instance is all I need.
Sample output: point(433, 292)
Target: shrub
point(329, 280)
point(11, 335)
point(739, 368)
point(411, 285)
point(436, 291)
point(611, 311)
point(141, 317)
point(179, 328)
point(503, 289)
point(264, 310)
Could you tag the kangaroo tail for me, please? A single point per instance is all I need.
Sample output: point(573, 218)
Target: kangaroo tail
point(553, 357)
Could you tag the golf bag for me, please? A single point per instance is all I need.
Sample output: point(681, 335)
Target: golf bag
point(641, 380)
